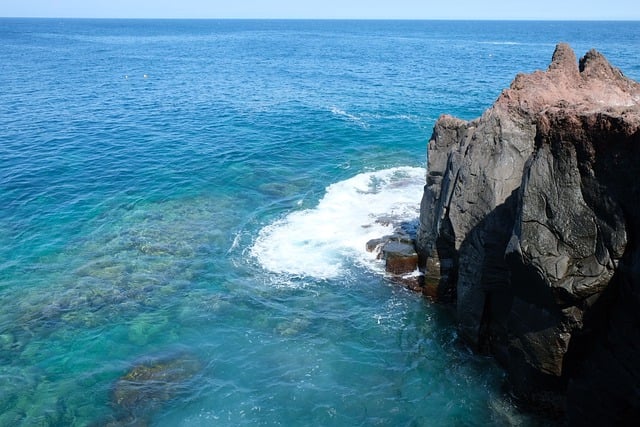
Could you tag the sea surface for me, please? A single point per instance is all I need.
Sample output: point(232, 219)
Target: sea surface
point(184, 207)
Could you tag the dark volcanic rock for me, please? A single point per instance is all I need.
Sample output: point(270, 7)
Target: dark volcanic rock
point(529, 218)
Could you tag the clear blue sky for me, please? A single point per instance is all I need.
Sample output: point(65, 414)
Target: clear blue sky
point(363, 9)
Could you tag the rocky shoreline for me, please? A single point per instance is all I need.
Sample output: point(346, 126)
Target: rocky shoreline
point(529, 225)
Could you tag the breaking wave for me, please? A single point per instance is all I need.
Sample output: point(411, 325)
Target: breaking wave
point(320, 242)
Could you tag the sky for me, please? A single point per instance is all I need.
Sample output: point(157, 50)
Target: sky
point(327, 9)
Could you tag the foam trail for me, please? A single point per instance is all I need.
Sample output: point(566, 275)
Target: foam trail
point(349, 117)
point(319, 242)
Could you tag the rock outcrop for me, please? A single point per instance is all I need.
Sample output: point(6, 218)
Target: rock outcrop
point(529, 220)
point(398, 250)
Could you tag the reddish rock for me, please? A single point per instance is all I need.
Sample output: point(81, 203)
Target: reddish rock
point(400, 258)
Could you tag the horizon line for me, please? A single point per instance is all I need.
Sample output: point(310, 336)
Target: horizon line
point(332, 19)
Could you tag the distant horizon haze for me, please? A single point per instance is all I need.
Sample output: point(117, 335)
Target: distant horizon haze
point(571, 10)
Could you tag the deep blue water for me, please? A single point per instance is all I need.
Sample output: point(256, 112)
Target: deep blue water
point(198, 193)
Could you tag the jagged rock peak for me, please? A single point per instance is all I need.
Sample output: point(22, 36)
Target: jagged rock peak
point(594, 65)
point(588, 85)
point(564, 61)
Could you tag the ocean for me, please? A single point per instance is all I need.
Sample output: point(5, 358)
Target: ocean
point(185, 205)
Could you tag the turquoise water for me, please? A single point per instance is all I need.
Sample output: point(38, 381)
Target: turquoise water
point(196, 195)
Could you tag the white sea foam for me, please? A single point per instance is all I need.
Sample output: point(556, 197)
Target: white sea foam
point(320, 242)
point(349, 117)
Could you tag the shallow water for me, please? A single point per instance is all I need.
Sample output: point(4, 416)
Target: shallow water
point(201, 191)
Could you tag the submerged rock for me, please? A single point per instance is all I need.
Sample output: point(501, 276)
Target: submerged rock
point(529, 220)
point(149, 384)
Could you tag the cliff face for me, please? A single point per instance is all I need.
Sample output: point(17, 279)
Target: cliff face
point(529, 222)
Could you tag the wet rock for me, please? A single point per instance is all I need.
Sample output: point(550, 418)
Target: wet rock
point(436, 277)
point(400, 257)
point(399, 254)
point(374, 245)
point(528, 220)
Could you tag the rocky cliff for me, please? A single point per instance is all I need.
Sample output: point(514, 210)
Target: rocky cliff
point(530, 223)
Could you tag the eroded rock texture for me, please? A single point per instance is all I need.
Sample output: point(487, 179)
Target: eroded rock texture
point(530, 216)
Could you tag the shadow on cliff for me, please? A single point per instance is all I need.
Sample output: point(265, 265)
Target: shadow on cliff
point(509, 300)
point(603, 357)
point(579, 357)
